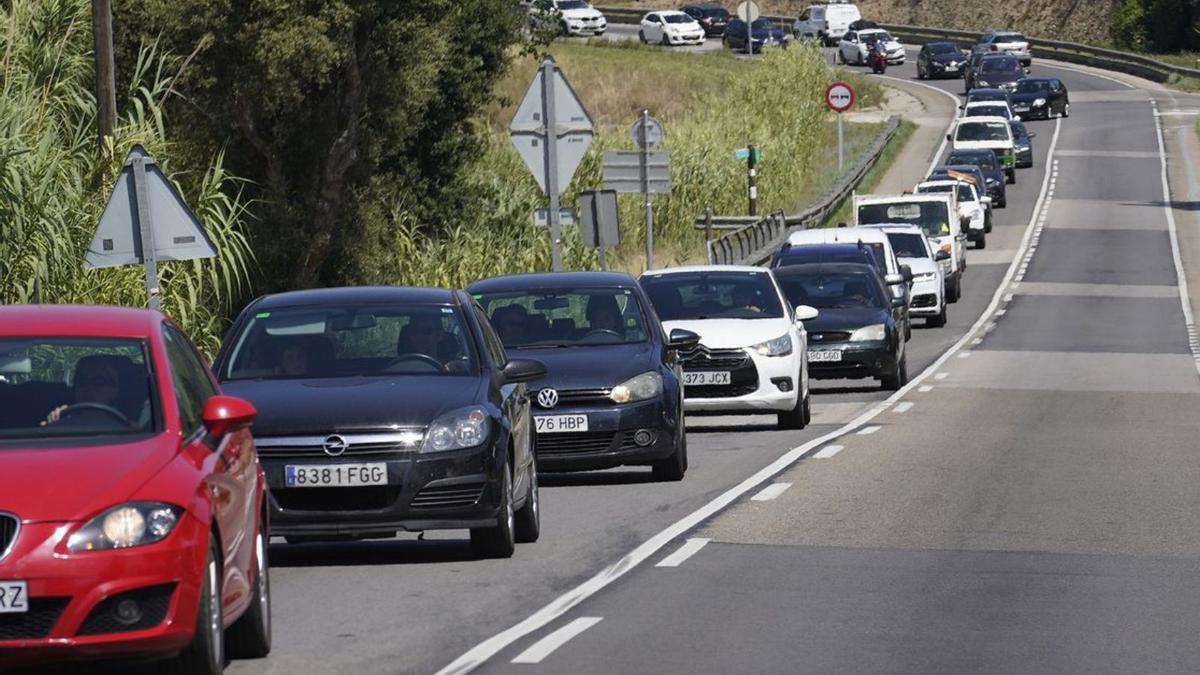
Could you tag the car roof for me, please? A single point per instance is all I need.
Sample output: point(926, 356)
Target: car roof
point(980, 104)
point(816, 268)
point(549, 280)
point(357, 294)
point(942, 42)
point(704, 268)
point(898, 228)
point(987, 90)
point(706, 5)
point(798, 238)
point(666, 12)
point(77, 321)
point(1041, 79)
point(982, 119)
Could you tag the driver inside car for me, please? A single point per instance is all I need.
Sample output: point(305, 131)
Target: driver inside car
point(96, 381)
point(603, 314)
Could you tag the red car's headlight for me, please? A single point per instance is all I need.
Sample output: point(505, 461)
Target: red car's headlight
point(126, 526)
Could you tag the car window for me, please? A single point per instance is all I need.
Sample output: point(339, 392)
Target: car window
point(931, 216)
point(832, 290)
point(712, 295)
point(1019, 129)
point(804, 16)
point(566, 317)
point(987, 111)
point(679, 18)
point(763, 24)
point(193, 388)
point(851, 37)
point(943, 48)
point(491, 342)
point(982, 131)
point(1002, 65)
point(1009, 37)
point(908, 245)
point(572, 4)
point(99, 388)
point(802, 255)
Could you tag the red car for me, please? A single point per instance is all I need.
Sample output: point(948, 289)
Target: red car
point(132, 511)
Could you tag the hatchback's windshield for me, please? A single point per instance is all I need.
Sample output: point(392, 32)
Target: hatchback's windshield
point(832, 290)
point(566, 317)
point(986, 96)
point(68, 387)
point(983, 160)
point(1032, 86)
point(572, 4)
point(943, 48)
point(713, 295)
point(908, 245)
point(1005, 65)
point(932, 217)
point(982, 131)
point(987, 111)
point(679, 18)
point(351, 340)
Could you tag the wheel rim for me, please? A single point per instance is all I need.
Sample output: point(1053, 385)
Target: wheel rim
point(533, 481)
point(509, 514)
point(215, 629)
point(264, 586)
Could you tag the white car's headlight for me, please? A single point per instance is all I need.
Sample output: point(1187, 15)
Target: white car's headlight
point(925, 276)
point(637, 388)
point(466, 428)
point(872, 333)
point(1039, 101)
point(126, 526)
point(780, 346)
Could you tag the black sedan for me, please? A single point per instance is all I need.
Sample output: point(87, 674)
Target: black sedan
point(764, 33)
point(386, 409)
point(613, 394)
point(857, 333)
point(940, 59)
point(1041, 98)
point(1022, 144)
point(993, 172)
point(997, 70)
point(712, 16)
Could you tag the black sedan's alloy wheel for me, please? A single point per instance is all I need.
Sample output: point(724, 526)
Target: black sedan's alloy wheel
point(498, 541)
point(529, 518)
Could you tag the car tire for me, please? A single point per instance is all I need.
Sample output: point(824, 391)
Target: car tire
point(674, 467)
point(499, 540)
point(796, 418)
point(250, 636)
point(1010, 176)
point(665, 42)
point(981, 242)
point(897, 379)
point(529, 518)
point(1003, 203)
point(940, 320)
point(908, 329)
point(205, 654)
point(642, 36)
point(954, 290)
point(987, 223)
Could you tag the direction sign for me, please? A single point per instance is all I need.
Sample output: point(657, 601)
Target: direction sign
point(647, 132)
point(622, 171)
point(748, 11)
point(541, 217)
point(839, 96)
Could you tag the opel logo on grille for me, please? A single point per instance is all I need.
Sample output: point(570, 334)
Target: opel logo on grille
point(335, 445)
point(547, 398)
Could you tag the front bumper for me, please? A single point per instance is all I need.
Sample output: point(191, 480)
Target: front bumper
point(859, 360)
point(430, 491)
point(942, 70)
point(758, 386)
point(69, 618)
point(926, 298)
point(694, 39)
point(896, 59)
point(610, 438)
point(586, 29)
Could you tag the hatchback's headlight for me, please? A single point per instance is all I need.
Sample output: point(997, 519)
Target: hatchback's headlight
point(1039, 101)
point(780, 346)
point(924, 276)
point(873, 333)
point(126, 526)
point(637, 388)
point(460, 429)
point(982, 83)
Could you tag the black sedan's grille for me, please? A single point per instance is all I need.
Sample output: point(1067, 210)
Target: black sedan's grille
point(557, 445)
point(370, 444)
point(363, 498)
point(8, 532)
point(575, 397)
point(152, 602)
point(828, 336)
point(448, 496)
point(924, 300)
point(34, 624)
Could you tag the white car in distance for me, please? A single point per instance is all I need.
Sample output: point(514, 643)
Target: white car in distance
point(988, 109)
point(827, 23)
point(753, 351)
point(669, 27)
point(854, 45)
point(574, 18)
point(914, 248)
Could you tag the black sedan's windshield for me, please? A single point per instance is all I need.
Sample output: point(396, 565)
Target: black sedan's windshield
point(1004, 65)
point(566, 317)
point(944, 48)
point(1032, 86)
point(839, 290)
point(366, 340)
point(713, 295)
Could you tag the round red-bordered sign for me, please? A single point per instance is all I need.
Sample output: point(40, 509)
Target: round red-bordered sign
point(840, 97)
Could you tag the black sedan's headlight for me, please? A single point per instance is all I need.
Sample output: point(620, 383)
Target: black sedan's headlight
point(466, 428)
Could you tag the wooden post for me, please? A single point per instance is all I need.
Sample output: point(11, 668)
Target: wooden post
point(106, 85)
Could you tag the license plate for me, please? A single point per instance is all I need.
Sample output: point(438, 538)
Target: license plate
point(14, 598)
point(705, 378)
point(950, 69)
point(824, 355)
point(559, 424)
point(335, 475)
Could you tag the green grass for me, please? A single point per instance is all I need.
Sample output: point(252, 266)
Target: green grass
point(843, 212)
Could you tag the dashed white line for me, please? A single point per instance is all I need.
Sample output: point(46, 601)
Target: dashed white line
point(924, 388)
point(828, 451)
point(546, 646)
point(689, 549)
point(941, 376)
point(964, 355)
point(771, 491)
point(866, 431)
point(904, 406)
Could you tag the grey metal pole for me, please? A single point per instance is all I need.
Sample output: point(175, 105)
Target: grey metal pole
point(840, 150)
point(145, 230)
point(551, 152)
point(596, 233)
point(752, 179)
point(645, 165)
point(106, 87)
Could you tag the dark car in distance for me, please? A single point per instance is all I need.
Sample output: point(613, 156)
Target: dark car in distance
point(859, 253)
point(765, 33)
point(712, 16)
point(993, 172)
point(1041, 98)
point(613, 394)
point(996, 70)
point(940, 59)
point(857, 333)
point(386, 409)
point(1022, 144)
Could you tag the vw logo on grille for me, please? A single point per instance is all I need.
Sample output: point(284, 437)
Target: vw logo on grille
point(335, 445)
point(547, 398)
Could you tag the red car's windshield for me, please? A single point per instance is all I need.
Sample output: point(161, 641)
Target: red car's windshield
point(69, 387)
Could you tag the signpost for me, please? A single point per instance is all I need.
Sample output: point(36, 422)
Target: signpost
point(551, 131)
point(748, 11)
point(840, 97)
point(144, 221)
point(643, 171)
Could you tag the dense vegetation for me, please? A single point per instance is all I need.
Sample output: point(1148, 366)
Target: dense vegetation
point(1157, 25)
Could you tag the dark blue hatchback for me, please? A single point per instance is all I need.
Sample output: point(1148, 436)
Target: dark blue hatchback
point(612, 393)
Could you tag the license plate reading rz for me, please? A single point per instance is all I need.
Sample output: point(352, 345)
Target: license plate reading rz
point(335, 475)
point(702, 378)
point(824, 356)
point(14, 597)
point(557, 424)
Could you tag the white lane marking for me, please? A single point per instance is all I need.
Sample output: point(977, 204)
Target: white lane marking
point(1043, 64)
point(904, 406)
point(828, 451)
point(1177, 113)
point(546, 646)
point(937, 155)
point(770, 492)
point(867, 431)
point(480, 653)
point(941, 376)
point(689, 549)
point(1001, 312)
point(1180, 276)
point(924, 388)
point(964, 355)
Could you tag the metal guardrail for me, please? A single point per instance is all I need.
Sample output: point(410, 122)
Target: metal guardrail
point(755, 239)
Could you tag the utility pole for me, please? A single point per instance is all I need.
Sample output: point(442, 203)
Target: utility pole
point(106, 84)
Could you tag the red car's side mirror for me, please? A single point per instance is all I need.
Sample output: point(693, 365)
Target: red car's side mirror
point(223, 414)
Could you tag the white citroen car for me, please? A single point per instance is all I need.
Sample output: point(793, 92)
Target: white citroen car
point(753, 351)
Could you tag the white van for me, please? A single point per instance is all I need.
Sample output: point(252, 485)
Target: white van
point(936, 214)
point(827, 23)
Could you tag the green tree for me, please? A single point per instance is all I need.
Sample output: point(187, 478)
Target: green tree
point(328, 106)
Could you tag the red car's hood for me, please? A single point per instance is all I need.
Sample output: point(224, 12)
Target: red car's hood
point(73, 483)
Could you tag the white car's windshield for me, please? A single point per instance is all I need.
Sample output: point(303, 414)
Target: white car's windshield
point(572, 4)
point(712, 295)
point(982, 131)
point(678, 18)
point(908, 245)
point(931, 216)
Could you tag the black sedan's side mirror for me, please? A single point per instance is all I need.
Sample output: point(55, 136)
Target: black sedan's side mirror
point(681, 339)
point(941, 255)
point(523, 370)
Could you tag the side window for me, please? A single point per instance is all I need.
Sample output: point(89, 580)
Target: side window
point(851, 37)
point(193, 387)
point(491, 342)
point(805, 15)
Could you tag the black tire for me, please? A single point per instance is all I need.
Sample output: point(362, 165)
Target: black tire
point(1003, 203)
point(939, 320)
point(1010, 176)
point(498, 541)
point(250, 636)
point(529, 518)
point(981, 242)
point(665, 42)
point(898, 378)
point(674, 467)
point(987, 221)
point(954, 290)
point(908, 328)
point(920, 73)
point(642, 36)
point(796, 418)
point(205, 655)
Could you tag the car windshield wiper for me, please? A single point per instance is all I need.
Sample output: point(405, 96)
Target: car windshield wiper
point(539, 345)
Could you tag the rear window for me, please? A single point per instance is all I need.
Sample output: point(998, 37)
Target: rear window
point(931, 216)
point(1009, 37)
point(908, 245)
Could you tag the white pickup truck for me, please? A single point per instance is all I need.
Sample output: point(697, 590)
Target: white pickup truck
point(936, 214)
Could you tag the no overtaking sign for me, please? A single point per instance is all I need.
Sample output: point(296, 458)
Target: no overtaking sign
point(839, 96)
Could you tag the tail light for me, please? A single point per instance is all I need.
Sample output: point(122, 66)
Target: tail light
point(995, 48)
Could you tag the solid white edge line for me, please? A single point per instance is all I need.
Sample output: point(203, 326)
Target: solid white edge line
point(1180, 276)
point(485, 650)
point(689, 549)
point(770, 492)
point(866, 431)
point(546, 646)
